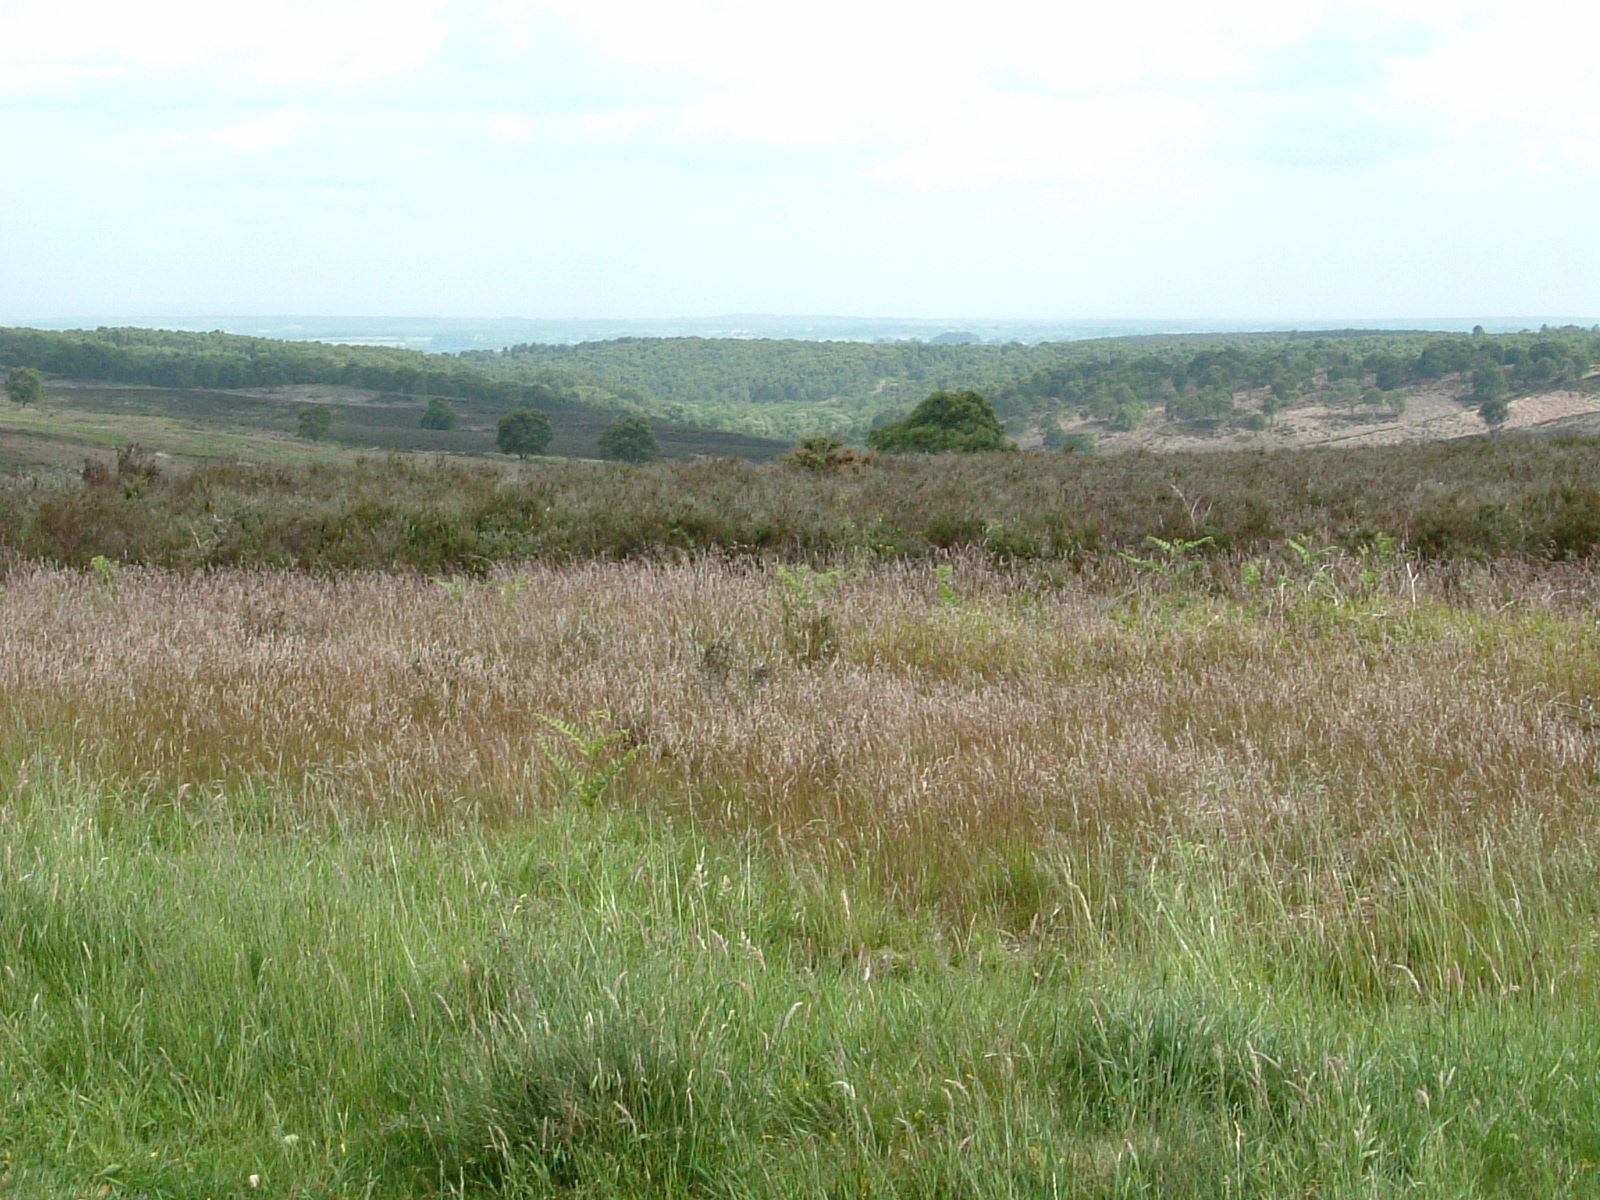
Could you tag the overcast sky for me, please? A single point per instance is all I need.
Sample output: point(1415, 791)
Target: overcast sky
point(580, 158)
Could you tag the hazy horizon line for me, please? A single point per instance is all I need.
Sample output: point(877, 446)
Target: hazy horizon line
point(1241, 323)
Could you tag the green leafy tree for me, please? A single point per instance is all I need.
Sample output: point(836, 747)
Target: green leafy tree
point(441, 414)
point(1388, 370)
point(1208, 403)
point(523, 431)
point(1489, 383)
point(1495, 411)
point(1128, 417)
point(629, 440)
point(24, 386)
point(963, 422)
point(315, 422)
point(1345, 393)
point(1108, 402)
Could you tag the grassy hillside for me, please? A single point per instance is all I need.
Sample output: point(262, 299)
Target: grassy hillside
point(191, 383)
point(184, 426)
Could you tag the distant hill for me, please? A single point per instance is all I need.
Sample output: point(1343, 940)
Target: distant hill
point(201, 392)
point(789, 389)
point(753, 398)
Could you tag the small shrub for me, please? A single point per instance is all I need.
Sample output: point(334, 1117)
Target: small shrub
point(593, 761)
point(629, 440)
point(440, 414)
point(315, 422)
point(828, 456)
point(135, 465)
point(809, 634)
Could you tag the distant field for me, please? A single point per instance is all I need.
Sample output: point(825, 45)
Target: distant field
point(259, 425)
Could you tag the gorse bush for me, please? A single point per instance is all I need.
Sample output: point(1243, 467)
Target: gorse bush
point(828, 455)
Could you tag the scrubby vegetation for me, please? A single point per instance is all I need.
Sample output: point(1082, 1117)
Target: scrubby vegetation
point(1483, 498)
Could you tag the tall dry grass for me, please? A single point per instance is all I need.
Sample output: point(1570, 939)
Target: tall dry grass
point(1189, 878)
point(880, 704)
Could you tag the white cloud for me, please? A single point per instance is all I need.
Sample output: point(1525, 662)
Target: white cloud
point(1519, 91)
point(510, 129)
point(244, 137)
point(830, 142)
point(333, 43)
point(1030, 90)
point(1136, 141)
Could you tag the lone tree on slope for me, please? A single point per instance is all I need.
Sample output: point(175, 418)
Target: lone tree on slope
point(315, 422)
point(1495, 411)
point(441, 414)
point(523, 431)
point(629, 440)
point(24, 386)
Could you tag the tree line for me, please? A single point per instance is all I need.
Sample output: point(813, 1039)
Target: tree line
point(792, 389)
point(175, 359)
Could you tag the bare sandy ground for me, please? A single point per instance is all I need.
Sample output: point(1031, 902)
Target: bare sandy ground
point(1432, 413)
point(320, 393)
point(300, 393)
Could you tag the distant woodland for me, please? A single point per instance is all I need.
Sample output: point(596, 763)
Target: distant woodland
point(792, 389)
point(789, 389)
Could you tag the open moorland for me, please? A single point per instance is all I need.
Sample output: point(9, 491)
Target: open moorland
point(1028, 824)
